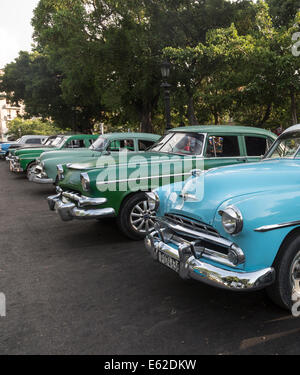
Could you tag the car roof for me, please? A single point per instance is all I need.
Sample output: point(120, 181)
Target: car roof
point(223, 128)
point(130, 135)
point(292, 129)
point(35, 136)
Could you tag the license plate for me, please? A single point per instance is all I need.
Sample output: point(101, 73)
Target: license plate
point(168, 261)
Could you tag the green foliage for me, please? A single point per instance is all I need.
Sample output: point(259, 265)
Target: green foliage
point(19, 127)
point(283, 12)
point(98, 61)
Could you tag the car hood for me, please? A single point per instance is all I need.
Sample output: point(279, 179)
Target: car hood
point(202, 196)
point(25, 151)
point(123, 158)
point(120, 164)
point(69, 153)
point(27, 146)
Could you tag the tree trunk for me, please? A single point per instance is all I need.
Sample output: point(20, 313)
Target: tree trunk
point(216, 117)
point(267, 115)
point(294, 109)
point(191, 112)
point(146, 124)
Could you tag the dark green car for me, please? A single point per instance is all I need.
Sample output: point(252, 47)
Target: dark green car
point(45, 172)
point(115, 185)
point(24, 160)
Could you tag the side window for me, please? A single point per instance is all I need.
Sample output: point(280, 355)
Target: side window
point(75, 143)
point(121, 145)
point(33, 141)
point(143, 145)
point(222, 146)
point(256, 146)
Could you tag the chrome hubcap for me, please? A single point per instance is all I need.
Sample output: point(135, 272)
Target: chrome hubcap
point(295, 274)
point(142, 218)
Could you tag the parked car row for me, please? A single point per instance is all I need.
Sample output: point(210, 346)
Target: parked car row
point(217, 204)
point(26, 140)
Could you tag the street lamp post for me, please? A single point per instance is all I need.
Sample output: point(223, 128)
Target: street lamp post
point(165, 72)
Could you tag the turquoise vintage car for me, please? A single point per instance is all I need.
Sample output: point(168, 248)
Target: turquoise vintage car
point(235, 227)
point(115, 185)
point(46, 171)
point(24, 160)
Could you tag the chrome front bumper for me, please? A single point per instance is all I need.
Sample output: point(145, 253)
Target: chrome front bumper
point(74, 206)
point(189, 264)
point(14, 166)
point(40, 177)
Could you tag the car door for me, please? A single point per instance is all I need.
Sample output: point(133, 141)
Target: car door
point(256, 146)
point(223, 149)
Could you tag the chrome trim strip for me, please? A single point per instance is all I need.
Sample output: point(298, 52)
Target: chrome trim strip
point(267, 228)
point(142, 178)
point(134, 164)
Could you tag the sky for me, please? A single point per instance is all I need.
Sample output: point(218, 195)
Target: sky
point(15, 28)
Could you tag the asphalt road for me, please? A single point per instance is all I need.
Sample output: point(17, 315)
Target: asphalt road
point(82, 288)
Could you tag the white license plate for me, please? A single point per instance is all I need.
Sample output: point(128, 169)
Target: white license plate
point(168, 261)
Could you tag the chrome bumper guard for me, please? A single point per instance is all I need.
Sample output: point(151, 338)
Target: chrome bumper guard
point(74, 206)
point(40, 177)
point(190, 262)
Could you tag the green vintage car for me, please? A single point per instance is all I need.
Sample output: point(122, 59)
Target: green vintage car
point(115, 185)
point(46, 171)
point(24, 160)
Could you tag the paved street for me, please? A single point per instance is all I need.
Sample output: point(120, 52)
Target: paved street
point(82, 288)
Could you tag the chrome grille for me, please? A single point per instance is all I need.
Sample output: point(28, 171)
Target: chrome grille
point(195, 225)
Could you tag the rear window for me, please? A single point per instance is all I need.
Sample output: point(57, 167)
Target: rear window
point(75, 143)
point(121, 145)
point(143, 145)
point(256, 146)
point(33, 141)
point(222, 146)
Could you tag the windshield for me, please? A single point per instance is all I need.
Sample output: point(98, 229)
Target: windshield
point(46, 141)
point(100, 144)
point(286, 146)
point(49, 141)
point(180, 143)
point(22, 140)
point(57, 141)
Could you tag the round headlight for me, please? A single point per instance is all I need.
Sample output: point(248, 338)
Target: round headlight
point(232, 220)
point(85, 181)
point(153, 201)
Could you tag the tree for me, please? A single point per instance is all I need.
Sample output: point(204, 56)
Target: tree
point(283, 12)
point(19, 127)
point(245, 77)
point(128, 38)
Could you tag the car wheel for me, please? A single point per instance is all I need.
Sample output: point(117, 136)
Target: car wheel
point(135, 218)
point(287, 268)
point(30, 171)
